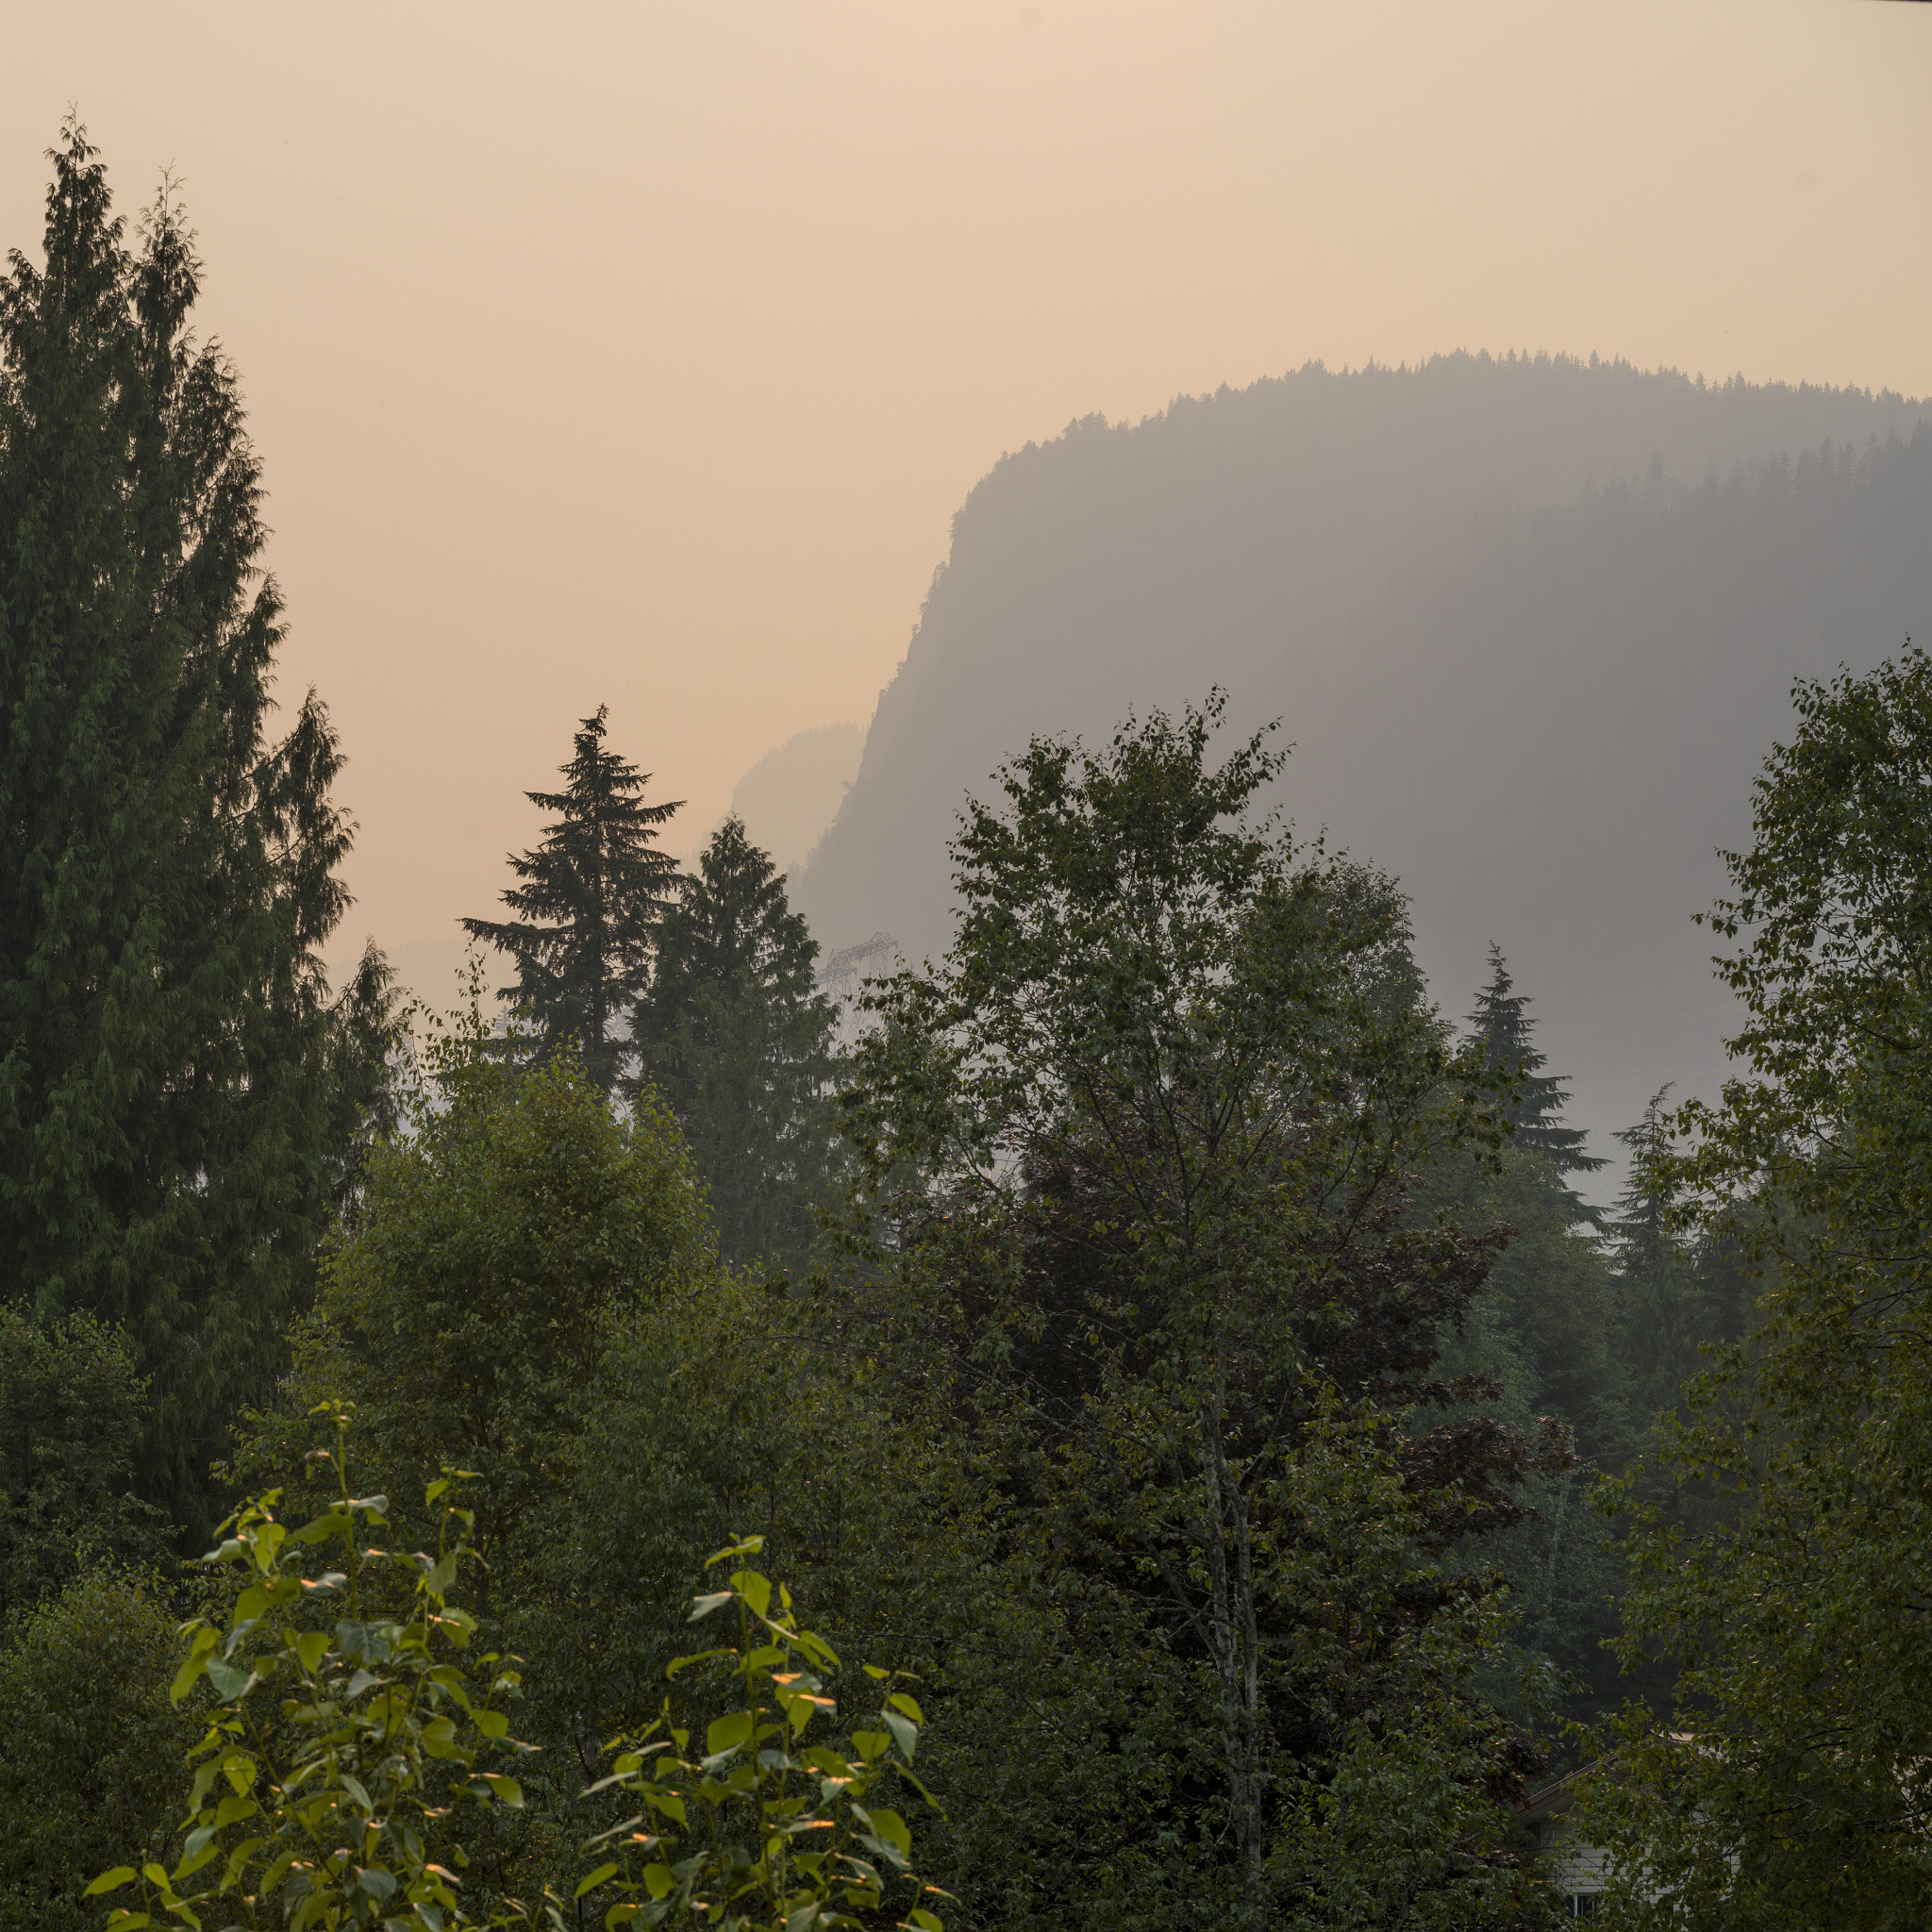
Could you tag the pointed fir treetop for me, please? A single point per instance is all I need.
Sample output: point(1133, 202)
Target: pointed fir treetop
point(1639, 1226)
point(592, 894)
point(738, 1037)
point(1501, 1026)
point(733, 927)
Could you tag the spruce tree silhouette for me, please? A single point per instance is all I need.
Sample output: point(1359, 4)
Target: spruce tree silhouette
point(1502, 1029)
point(592, 893)
point(738, 1036)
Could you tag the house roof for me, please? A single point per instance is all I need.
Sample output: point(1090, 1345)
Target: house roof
point(1553, 1800)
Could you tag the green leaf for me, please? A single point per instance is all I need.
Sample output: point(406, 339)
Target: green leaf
point(704, 1605)
point(701, 1657)
point(204, 1777)
point(233, 1809)
point(238, 1860)
point(111, 1881)
point(321, 1528)
point(595, 1879)
point(183, 1678)
point(814, 1647)
point(196, 1852)
point(728, 1732)
point(754, 1588)
point(899, 1701)
point(507, 1790)
point(902, 1728)
point(230, 1683)
point(892, 1829)
point(924, 1919)
point(311, 1647)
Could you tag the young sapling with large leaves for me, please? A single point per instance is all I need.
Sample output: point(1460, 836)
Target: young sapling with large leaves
point(764, 1831)
point(325, 1786)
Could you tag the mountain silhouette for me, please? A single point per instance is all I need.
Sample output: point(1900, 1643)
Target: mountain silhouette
point(1530, 623)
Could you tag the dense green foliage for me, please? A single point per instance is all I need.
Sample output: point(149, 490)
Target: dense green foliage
point(737, 1039)
point(91, 1771)
point(1547, 1331)
point(72, 1413)
point(1787, 1785)
point(1137, 1152)
point(180, 1091)
point(462, 1307)
point(592, 892)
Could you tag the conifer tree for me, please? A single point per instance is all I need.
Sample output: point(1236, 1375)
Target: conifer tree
point(181, 1094)
point(593, 894)
point(1671, 1303)
point(739, 1040)
point(1501, 1026)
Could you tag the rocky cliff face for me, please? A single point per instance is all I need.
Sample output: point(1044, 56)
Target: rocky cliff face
point(1530, 624)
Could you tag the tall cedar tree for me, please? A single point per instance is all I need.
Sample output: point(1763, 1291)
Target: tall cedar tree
point(1501, 1029)
point(179, 1095)
point(594, 890)
point(739, 1040)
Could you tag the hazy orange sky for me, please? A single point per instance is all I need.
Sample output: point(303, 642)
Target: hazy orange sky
point(640, 354)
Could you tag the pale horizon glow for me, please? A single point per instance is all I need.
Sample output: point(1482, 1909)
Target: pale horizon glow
point(637, 356)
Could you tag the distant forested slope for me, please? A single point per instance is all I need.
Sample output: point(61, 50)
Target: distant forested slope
point(1530, 624)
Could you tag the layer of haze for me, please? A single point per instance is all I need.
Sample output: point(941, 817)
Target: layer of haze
point(642, 355)
point(1530, 626)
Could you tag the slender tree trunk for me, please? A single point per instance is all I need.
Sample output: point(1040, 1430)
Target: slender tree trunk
point(1228, 1547)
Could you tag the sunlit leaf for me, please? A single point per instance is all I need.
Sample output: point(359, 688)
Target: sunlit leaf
point(596, 1878)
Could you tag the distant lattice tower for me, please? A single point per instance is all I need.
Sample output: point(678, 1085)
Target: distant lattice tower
point(845, 973)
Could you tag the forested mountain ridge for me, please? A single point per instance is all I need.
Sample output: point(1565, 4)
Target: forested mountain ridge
point(1530, 623)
